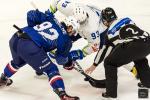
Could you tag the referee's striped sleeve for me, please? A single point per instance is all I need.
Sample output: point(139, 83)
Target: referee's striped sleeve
point(98, 58)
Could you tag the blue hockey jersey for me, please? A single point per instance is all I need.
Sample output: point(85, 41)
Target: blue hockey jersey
point(45, 31)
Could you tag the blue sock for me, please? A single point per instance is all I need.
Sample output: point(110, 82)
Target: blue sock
point(9, 70)
point(55, 78)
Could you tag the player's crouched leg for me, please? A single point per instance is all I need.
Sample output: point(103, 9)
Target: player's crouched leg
point(56, 82)
point(143, 69)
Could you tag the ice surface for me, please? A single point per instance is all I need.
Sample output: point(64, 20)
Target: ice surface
point(26, 87)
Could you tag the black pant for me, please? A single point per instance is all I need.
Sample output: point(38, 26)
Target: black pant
point(125, 53)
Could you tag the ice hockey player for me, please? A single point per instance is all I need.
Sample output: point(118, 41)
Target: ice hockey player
point(91, 26)
point(89, 29)
point(30, 46)
point(130, 44)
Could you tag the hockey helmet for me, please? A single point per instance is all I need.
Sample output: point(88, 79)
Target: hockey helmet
point(108, 14)
point(80, 14)
point(71, 21)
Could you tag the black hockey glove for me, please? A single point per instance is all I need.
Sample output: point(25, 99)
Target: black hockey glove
point(69, 65)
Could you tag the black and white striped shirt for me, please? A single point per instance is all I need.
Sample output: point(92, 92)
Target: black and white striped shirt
point(121, 30)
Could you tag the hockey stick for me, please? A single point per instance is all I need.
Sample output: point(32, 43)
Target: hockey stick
point(95, 83)
point(19, 29)
point(34, 5)
point(20, 32)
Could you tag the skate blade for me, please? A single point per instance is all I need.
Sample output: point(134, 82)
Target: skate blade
point(3, 86)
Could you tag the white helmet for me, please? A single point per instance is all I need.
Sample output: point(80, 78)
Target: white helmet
point(71, 21)
point(80, 14)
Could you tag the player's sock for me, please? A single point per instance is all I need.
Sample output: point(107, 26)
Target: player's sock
point(58, 86)
point(55, 78)
point(57, 82)
point(10, 69)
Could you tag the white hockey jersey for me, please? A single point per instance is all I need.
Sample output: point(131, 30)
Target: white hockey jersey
point(90, 29)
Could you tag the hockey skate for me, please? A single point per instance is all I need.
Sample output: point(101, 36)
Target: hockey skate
point(141, 85)
point(64, 96)
point(67, 97)
point(106, 97)
point(40, 75)
point(4, 81)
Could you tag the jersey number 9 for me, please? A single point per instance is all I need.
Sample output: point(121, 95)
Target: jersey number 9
point(46, 30)
point(95, 35)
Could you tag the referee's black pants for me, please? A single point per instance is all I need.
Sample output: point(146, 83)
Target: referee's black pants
point(125, 53)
